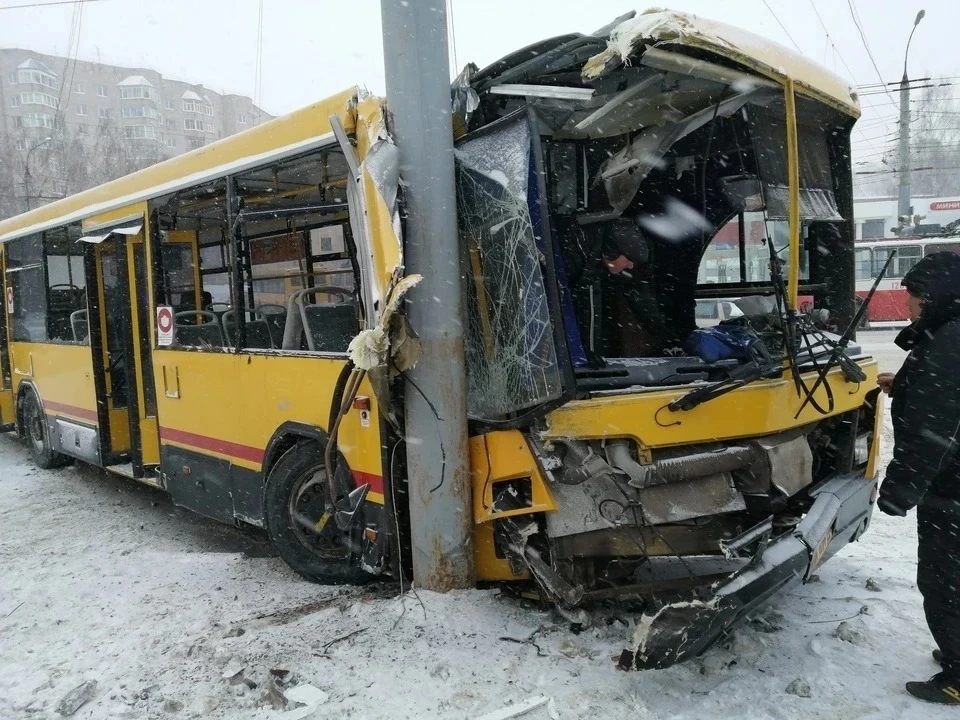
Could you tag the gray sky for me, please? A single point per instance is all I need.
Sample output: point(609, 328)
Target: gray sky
point(312, 48)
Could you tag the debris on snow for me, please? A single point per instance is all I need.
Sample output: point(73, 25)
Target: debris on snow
point(306, 694)
point(850, 633)
point(517, 709)
point(72, 701)
point(873, 586)
point(800, 688)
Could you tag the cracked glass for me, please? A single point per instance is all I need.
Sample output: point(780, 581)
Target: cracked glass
point(508, 336)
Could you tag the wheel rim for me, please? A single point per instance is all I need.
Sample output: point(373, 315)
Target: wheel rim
point(307, 514)
point(35, 426)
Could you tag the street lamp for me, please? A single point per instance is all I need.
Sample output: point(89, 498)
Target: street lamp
point(26, 169)
point(903, 203)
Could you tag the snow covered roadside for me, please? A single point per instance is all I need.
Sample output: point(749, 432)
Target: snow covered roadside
point(101, 579)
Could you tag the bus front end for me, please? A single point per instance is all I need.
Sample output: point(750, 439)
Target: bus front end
point(629, 450)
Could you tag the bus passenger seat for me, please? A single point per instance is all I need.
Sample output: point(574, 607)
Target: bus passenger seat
point(332, 326)
point(79, 326)
point(197, 328)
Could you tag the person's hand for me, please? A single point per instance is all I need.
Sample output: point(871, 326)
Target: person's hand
point(885, 381)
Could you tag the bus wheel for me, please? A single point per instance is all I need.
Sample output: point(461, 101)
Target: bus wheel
point(38, 436)
point(294, 506)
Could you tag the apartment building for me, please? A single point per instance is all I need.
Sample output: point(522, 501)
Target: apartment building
point(66, 109)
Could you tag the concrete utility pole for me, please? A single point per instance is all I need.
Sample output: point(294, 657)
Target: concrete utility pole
point(418, 99)
point(903, 203)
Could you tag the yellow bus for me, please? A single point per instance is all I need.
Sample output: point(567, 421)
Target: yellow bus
point(204, 326)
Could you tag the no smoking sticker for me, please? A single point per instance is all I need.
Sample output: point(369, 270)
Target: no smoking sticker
point(164, 325)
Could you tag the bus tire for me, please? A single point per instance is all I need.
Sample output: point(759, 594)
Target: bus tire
point(296, 489)
point(37, 435)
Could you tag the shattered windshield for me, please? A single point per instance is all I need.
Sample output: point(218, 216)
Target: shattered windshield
point(508, 340)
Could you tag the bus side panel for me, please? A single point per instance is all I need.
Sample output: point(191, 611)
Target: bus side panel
point(62, 375)
point(219, 411)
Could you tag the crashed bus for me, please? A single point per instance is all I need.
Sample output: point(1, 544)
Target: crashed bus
point(229, 326)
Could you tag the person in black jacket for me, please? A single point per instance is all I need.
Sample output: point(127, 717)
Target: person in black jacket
point(925, 469)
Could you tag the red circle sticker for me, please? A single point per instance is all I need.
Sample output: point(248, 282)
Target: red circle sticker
point(164, 319)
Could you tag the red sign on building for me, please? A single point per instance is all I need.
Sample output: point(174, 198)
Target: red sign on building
point(945, 205)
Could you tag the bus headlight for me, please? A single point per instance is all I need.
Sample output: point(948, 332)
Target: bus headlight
point(861, 450)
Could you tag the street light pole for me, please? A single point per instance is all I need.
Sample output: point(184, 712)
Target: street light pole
point(904, 210)
point(26, 170)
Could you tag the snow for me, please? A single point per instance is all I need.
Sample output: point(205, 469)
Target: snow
point(176, 617)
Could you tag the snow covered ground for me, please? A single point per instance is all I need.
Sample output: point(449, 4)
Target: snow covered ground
point(176, 617)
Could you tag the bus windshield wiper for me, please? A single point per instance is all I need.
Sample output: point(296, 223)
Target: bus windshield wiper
point(837, 356)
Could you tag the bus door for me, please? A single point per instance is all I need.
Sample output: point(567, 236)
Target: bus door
point(7, 419)
point(125, 324)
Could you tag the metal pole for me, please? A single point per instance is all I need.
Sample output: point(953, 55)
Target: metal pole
point(903, 202)
point(904, 211)
point(418, 97)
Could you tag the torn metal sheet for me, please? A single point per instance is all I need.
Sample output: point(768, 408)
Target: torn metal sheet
point(623, 173)
point(665, 29)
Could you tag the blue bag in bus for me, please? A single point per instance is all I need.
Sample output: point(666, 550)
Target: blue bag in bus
point(722, 342)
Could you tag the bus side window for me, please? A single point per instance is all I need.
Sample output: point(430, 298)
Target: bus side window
point(192, 273)
point(907, 257)
point(300, 290)
point(66, 284)
point(27, 284)
point(864, 261)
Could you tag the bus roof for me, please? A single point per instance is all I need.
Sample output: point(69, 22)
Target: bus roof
point(289, 135)
point(909, 240)
point(753, 51)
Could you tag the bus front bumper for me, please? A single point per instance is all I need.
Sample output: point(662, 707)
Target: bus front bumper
point(679, 631)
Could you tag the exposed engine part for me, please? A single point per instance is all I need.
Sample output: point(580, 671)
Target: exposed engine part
point(680, 468)
point(783, 461)
point(698, 497)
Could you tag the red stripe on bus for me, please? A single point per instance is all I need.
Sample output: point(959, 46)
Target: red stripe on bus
point(222, 447)
point(374, 481)
point(79, 412)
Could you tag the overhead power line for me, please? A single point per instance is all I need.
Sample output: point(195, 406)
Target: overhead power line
point(46, 4)
point(866, 45)
point(783, 27)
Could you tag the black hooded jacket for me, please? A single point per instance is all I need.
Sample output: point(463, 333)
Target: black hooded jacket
point(925, 405)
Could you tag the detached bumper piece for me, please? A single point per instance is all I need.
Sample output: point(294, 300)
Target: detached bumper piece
point(681, 630)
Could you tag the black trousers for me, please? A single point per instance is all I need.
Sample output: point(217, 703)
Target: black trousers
point(938, 575)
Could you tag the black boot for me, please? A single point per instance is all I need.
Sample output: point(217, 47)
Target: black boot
point(938, 656)
point(942, 689)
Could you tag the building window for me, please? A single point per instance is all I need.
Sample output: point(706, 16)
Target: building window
point(168, 104)
point(38, 77)
point(82, 130)
point(81, 109)
point(12, 78)
point(141, 132)
point(101, 90)
point(170, 143)
point(80, 89)
point(873, 229)
point(136, 92)
point(15, 101)
point(208, 110)
point(139, 111)
point(208, 127)
point(34, 120)
point(195, 143)
point(21, 145)
point(241, 119)
point(170, 124)
point(104, 113)
point(191, 124)
point(37, 98)
point(194, 106)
